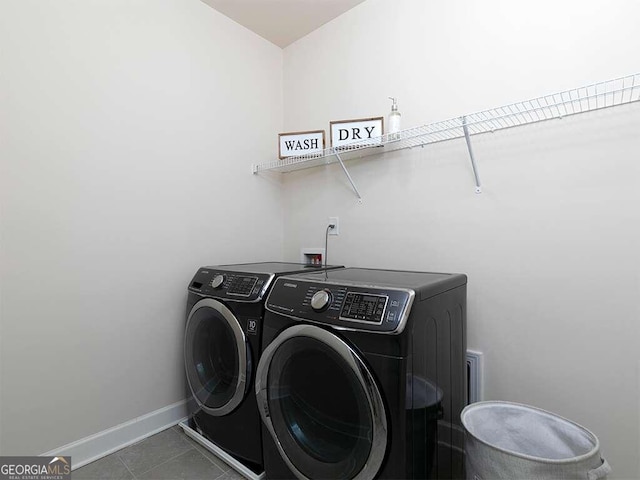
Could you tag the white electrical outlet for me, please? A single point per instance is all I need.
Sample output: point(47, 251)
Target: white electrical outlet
point(335, 230)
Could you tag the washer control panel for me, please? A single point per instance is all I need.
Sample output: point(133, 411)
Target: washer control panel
point(230, 285)
point(347, 306)
point(364, 307)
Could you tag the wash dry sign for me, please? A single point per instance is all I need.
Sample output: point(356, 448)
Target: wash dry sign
point(362, 132)
point(301, 143)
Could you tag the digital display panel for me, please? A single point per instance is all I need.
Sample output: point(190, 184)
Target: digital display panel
point(364, 307)
point(370, 299)
point(241, 286)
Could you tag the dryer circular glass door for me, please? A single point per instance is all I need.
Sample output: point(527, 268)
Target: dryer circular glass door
point(322, 406)
point(215, 353)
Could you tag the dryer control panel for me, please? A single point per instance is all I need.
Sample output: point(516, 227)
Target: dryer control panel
point(227, 285)
point(370, 308)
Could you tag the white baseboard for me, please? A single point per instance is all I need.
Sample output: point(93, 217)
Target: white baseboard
point(93, 447)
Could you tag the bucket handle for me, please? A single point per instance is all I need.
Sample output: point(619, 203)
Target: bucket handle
point(601, 472)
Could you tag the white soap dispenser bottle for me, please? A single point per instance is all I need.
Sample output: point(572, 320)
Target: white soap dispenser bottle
point(394, 120)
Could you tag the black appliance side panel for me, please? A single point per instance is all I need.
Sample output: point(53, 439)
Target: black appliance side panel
point(241, 439)
point(192, 299)
point(437, 387)
point(390, 374)
point(192, 405)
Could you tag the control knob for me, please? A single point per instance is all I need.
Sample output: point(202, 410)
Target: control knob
point(321, 300)
point(217, 281)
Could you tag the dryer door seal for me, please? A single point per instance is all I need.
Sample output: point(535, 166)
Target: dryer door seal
point(215, 357)
point(321, 405)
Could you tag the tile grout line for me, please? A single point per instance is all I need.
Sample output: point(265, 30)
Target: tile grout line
point(168, 460)
point(203, 450)
point(125, 466)
point(222, 465)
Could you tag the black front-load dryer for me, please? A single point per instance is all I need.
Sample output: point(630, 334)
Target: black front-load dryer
point(225, 309)
point(363, 375)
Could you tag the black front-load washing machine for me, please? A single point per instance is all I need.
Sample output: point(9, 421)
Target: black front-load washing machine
point(225, 310)
point(363, 375)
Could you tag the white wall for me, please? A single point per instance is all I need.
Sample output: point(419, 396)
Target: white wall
point(119, 174)
point(127, 132)
point(550, 247)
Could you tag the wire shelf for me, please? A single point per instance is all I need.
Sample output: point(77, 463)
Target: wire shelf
point(597, 96)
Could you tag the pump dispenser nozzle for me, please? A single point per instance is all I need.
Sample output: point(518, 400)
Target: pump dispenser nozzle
point(394, 120)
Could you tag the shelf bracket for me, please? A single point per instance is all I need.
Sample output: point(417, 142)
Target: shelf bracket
point(467, 137)
point(353, 185)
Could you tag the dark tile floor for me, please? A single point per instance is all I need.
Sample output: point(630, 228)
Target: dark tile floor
point(168, 455)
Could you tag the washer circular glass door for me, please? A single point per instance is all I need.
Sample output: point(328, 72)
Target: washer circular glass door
point(215, 355)
point(321, 405)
